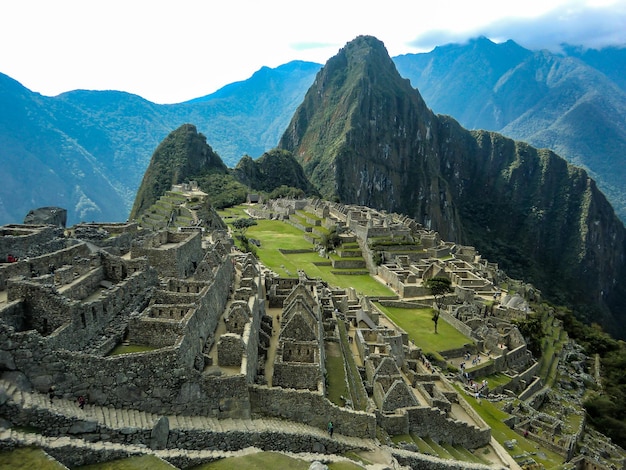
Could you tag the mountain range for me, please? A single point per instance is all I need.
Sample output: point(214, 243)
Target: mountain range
point(87, 151)
point(363, 135)
point(573, 103)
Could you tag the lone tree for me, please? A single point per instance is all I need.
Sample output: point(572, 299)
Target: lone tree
point(439, 287)
point(243, 225)
point(331, 240)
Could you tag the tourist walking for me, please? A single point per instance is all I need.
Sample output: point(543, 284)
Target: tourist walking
point(331, 428)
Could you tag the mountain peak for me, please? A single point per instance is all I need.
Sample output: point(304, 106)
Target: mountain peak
point(353, 116)
point(182, 155)
point(364, 51)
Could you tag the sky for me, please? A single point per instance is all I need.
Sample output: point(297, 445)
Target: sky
point(169, 51)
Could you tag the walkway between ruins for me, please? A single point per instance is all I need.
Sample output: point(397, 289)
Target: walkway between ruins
point(271, 351)
point(219, 331)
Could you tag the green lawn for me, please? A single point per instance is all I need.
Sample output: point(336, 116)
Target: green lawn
point(419, 325)
point(28, 458)
point(270, 461)
point(357, 392)
point(231, 213)
point(275, 235)
point(143, 462)
point(336, 375)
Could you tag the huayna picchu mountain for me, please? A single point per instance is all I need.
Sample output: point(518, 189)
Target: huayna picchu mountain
point(365, 136)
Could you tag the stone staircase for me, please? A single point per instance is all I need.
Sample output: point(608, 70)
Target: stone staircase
point(110, 432)
point(76, 436)
point(85, 453)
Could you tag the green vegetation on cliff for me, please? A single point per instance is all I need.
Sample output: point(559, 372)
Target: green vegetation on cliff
point(273, 170)
point(185, 156)
point(365, 136)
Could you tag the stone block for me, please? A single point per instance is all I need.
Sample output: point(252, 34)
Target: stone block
point(160, 433)
point(81, 427)
point(6, 361)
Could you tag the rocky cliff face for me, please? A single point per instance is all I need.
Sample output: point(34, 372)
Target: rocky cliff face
point(270, 171)
point(364, 136)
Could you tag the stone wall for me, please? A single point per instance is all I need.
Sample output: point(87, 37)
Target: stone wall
point(18, 240)
point(84, 286)
point(54, 424)
point(298, 375)
point(230, 350)
point(456, 324)
point(428, 462)
point(310, 408)
point(424, 421)
point(518, 358)
point(394, 424)
point(273, 440)
point(533, 387)
point(158, 381)
point(154, 332)
point(70, 324)
point(40, 265)
point(172, 254)
point(251, 337)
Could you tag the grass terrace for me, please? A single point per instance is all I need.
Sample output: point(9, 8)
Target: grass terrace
point(270, 461)
point(143, 462)
point(231, 213)
point(28, 458)
point(418, 324)
point(276, 235)
point(335, 374)
point(553, 341)
point(445, 451)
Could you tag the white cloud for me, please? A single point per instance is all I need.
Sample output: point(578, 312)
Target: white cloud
point(173, 50)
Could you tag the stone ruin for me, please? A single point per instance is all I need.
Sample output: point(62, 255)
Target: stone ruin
point(199, 313)
point(409, 254)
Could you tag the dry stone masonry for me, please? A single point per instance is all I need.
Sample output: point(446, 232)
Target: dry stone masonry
point(179, 341)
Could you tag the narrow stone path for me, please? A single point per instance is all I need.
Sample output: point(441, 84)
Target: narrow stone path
point(220, 330)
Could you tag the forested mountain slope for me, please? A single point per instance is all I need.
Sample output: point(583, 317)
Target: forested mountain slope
point(365, 136)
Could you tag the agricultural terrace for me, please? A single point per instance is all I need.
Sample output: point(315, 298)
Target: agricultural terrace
point(276, 235)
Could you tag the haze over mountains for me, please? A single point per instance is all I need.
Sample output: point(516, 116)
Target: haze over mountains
point(574, 105)
point(87, 150)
